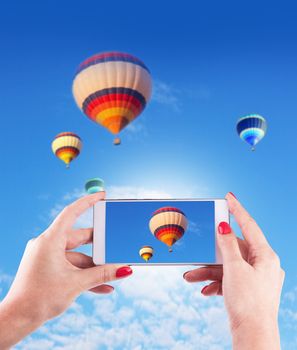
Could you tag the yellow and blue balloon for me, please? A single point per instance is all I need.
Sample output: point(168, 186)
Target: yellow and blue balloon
point(67, 146)
point(146, 252)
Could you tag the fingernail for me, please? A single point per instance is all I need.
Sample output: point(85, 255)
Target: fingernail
point(109, 287)
point(184, 275)
point(224, 228)
point(232, 194)
point(203, 289)
point(124, 271)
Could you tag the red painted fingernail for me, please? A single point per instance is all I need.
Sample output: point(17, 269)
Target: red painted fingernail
point(124, 271)
point(232, 194)
point(203, 289)
point(224, 228)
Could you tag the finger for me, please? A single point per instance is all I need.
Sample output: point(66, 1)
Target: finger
point(94, 276)
point(214, 288)
point(79, 237)
point(213, 273)
point(79, 260)
point(243, 248)
point(228, 244)
point(66, 219)
point(250, 230)
point(102, 289)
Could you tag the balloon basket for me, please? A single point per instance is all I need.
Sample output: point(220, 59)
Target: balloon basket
point(117, 141)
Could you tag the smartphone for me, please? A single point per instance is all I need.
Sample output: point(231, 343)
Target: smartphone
point(158, 231)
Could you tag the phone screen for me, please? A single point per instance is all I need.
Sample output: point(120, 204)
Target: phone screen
point(160, 232)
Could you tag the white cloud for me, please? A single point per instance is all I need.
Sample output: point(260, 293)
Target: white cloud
point(136, 127)
point(124, 192)
point(194, 228)
point(153, 309)
point(166, 94)
point(171, 96)
point(291, 295)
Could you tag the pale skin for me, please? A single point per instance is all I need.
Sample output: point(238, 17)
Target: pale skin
point(250, 280)
point(50, 277)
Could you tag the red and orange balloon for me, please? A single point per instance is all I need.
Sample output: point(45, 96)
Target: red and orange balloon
point(112, 89)
point(168, 225)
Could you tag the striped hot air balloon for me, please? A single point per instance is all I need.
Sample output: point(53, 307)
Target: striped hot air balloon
point(112, 89)
point(168, 225)
point(67, 146)
point(252, 128)
point(146, 252)
point(94, 185)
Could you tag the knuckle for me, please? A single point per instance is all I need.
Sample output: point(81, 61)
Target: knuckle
point(271, 257)
point(275, 259)
point(106, 275)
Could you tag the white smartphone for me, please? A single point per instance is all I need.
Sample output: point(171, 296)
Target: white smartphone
point(158, 231)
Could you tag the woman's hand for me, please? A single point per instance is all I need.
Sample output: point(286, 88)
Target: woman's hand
point(50, 277)
point(251, 281)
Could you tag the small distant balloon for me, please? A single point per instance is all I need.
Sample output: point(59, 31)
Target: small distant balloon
point(67, 146)
point(146, 252)
point(94, 185)
point(112, 89)
point(251, 129)
point(168, 225)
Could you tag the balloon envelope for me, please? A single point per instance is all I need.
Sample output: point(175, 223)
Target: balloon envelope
point(146, 252)
point(251, 128)
point(94, 185)
point(168, 224)
point(112, 89)
point(67, 146)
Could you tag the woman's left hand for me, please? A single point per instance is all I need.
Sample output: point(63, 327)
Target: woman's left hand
point(50, 276)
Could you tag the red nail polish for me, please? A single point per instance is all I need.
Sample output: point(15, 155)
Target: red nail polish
point(224, 228)
point(203, 289)
point(124, 271)
point(232, 194)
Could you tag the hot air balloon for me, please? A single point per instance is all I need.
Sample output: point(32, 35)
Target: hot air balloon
point(168, 224)
point(146, 252)
point(112, 89)
point(67, 146)
point(252, 128)
point(94, 185)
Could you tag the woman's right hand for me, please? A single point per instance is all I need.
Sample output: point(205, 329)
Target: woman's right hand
point(251, 281)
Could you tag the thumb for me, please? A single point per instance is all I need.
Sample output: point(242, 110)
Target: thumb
point(228, 244)
point(94, 276)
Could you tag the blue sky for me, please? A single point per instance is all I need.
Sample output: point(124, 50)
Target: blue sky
point(211, 63)
point(124, 241)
